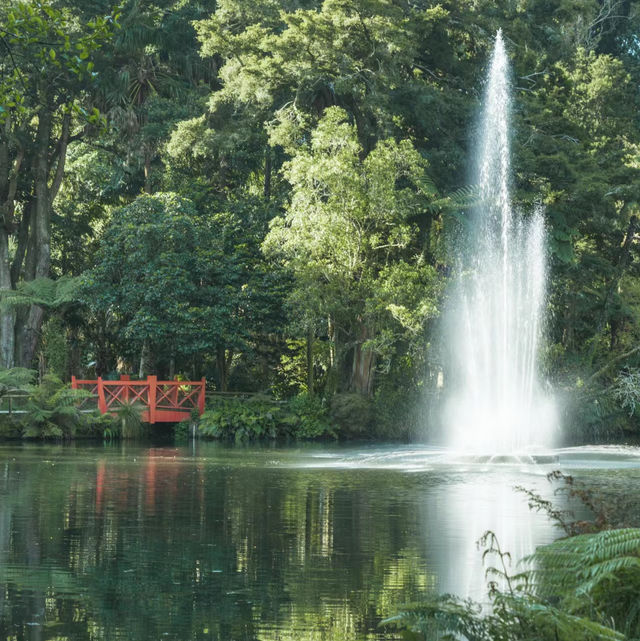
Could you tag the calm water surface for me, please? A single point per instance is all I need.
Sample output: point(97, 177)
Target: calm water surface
point(243, 544)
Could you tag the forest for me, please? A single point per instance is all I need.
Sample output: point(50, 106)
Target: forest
point(267, 193)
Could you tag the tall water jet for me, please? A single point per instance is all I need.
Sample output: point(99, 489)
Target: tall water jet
point(496, 321)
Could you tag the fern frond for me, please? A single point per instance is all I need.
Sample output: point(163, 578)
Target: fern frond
point(16, 378)
point(66, 397)
point(456, 201)
point(41, 291)
point(445, 617)
point(579, 564)
point(560, 624)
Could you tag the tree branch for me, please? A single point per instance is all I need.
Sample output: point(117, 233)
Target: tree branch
point(62, 156)
point(611, 363)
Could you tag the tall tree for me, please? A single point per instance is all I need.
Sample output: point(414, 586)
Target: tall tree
point(46, 72)
point(349, 238)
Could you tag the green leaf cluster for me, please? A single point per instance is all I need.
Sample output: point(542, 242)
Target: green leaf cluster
point(581, 587)
point(258, 417)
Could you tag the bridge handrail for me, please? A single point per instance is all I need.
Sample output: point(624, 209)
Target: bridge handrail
point(157, 395)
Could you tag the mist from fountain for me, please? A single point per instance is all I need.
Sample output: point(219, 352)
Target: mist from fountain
point(496, 321)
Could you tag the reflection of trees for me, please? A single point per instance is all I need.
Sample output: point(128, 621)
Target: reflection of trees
point(187, 550)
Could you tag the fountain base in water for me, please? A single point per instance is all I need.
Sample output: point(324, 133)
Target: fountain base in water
point(525, 459)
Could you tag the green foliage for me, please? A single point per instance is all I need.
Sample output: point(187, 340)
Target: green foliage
point(181, 281)
point(352, 414)
point(45, 292)
point(54, 347)
point(128, 418)
point(52, 411)
point(313, 419)
point(154, 257)
point(182, 431)
point(593, 575)
point(520, 610)
point(241, 420)
point(16, 378)
point(258, 417)
point(304, 165)
point(349, 237)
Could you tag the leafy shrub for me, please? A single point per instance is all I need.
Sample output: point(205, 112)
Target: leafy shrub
point(240, 420)
point(312, 417)
point(353, 414)
point(52, 411)
point(128, 417)
point(260, 417)
point(10, 427)
point(16, 378)
point(182, 430)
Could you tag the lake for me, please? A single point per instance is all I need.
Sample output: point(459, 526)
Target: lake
point(301, 543)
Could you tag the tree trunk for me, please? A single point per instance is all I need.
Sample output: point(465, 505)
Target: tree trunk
point(9, 171)
point(331, 331)
point(23, 240)
point(7, 316)
point(147, 172)
point(623, 261)
point(267, 174)
point(363, 367)
point(309, 353)
point(39, 245)
point(144, 360)
point(221, 364)
point(39, 248)
point(75, 357)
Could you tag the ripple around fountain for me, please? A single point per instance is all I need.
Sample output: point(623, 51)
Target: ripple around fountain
point(413, 459)
point(495, 321)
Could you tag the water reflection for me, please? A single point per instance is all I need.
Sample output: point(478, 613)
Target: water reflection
point(240, 544)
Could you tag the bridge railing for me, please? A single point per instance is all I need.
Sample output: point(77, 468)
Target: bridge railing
point(161, 401)
point(14, 402)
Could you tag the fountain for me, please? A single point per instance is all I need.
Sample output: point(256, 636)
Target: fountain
point(496, 319)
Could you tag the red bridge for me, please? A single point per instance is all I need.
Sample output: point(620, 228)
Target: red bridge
point(160, 401)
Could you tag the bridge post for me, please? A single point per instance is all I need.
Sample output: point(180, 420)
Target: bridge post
point(201, 397)
point(153, 387)
point(102, 404)
point(125, 377)
point(74, 385)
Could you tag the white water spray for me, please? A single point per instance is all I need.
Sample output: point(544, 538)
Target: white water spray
point(497, 404)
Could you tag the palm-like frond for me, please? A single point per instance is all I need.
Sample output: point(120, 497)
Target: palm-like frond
point(535, 619)
point(579, 564)
point(456, 201)
point(446, 617)
point(45, 292)
point(514, 618)
point(16, 378)
point(66, 397)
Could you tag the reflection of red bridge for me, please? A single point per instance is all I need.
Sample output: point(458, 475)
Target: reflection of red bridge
point(160, 401)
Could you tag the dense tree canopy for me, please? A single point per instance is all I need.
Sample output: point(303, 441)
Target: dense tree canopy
point(263, 192)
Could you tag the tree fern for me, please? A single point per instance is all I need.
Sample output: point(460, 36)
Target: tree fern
point(52, 410)
point(580, 563)
point(45, 292)
point(16, 378)
point(593, 574)
point(517, 613)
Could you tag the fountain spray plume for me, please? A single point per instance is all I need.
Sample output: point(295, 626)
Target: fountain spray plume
point(497, 319)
